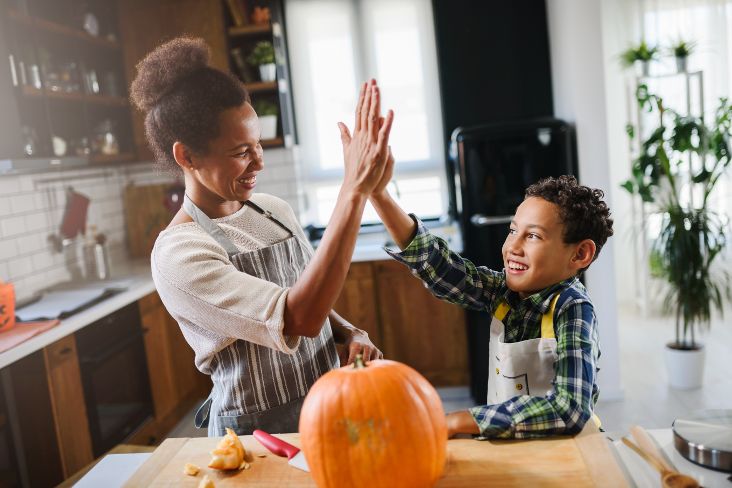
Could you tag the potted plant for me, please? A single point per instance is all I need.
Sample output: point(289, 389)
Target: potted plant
point(267, 113)
point(681, 51)
point(263, 57)
point(692, 236)
point(639, 56)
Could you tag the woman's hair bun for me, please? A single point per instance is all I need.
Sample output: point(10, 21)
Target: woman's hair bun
point(165, 66)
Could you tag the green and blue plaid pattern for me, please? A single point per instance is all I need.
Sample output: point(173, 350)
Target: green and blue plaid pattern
point(570, 404)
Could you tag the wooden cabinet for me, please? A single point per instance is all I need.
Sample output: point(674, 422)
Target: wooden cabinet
point(406, 321)
point(67, 402)
point(144, 25)
point(174, 379)
point(159, 355)
point(357, 302)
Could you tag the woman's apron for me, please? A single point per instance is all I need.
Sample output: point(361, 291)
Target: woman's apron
point(254, 386)
point(521, 368)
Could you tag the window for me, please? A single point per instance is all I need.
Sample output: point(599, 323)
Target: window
point(334, 46)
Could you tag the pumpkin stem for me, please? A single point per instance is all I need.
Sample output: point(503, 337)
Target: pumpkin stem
point(358, 363)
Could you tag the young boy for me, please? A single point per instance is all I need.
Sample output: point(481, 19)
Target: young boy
point(543, 349)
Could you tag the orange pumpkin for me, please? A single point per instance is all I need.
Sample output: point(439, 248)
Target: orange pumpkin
point(376, 425)
point(7, 306)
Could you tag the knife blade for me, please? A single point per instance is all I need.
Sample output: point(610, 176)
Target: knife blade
point(277, 446)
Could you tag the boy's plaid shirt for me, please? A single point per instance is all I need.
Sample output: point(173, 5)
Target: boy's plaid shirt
point(570, 404)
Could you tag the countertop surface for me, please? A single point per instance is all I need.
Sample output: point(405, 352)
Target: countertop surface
point(136, 279)
point(115, 470)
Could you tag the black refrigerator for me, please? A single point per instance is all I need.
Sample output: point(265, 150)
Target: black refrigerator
point(492, 167)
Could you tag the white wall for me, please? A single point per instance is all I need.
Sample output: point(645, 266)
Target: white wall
point(578, 79)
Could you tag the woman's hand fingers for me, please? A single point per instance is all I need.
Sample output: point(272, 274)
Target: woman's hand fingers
point(359, 107)
point(366, 105)
point(345, 134)
point(374, 114)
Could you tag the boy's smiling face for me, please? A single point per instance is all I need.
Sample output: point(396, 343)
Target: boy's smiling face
point(535, 255)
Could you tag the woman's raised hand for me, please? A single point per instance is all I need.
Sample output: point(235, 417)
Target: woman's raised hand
point(365, 152)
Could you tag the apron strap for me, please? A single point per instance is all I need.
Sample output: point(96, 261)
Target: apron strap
point(209, 226)
point(547, 320)
point(501, 311)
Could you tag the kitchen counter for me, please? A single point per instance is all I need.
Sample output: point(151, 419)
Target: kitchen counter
point(137, 280)
point(115, 470)
point(138, 283)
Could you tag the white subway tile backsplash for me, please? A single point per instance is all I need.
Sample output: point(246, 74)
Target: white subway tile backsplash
point(12, 226)
point(8, 249)
point(22, 203)
point(32, 207)
point(4, 206)
point(19, 267)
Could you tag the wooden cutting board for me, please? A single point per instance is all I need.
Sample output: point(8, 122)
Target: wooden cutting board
point(584, 460)
point(145, 216)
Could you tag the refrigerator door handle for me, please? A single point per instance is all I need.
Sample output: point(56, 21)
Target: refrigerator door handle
point(480, 220)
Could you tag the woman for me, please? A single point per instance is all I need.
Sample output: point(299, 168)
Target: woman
point(231, 266)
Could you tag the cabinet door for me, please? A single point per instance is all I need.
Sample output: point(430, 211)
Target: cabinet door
point(357, 301)
point(144, 25)
point(419, 329)
point(69, 408)
point(159, 357)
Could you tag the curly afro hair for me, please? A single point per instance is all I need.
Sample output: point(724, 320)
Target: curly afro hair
point(582, 211)
point(182, 97)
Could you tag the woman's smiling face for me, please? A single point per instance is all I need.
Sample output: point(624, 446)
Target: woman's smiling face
point(228, 172)
point(535, 255)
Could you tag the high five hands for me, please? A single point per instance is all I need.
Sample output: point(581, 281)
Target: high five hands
point(366, 152)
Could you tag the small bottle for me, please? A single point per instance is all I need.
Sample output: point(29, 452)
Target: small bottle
point(90, 262)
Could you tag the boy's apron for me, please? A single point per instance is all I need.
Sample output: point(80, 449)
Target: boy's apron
point(525, 367)
point(521, 368)
point(257, 387)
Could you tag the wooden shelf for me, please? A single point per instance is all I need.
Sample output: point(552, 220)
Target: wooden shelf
point(276, 142)
point(107, 100)
point(111, 158)
point(60, 29)
point(250, 30)
point(30, 91)
point(261, 86)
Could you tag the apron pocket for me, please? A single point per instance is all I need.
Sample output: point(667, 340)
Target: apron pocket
point(277, 420)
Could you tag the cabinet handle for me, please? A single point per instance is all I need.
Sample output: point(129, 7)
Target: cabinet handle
point(65, 351)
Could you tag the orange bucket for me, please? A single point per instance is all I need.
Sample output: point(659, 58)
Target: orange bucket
point(7, 306)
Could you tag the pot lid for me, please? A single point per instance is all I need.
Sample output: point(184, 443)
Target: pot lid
point(705, 438)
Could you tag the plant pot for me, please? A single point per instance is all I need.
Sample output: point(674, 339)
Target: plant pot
point(681, 64)
point(268, 72)
point(685, 367)
point(268, 126)
point(642, 68)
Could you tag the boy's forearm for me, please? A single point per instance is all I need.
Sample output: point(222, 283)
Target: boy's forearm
point(461, 422)
point(400, 225)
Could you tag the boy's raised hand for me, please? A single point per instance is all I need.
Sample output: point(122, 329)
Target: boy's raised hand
point(366, 152)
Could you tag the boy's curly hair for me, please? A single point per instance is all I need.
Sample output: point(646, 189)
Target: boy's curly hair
point(182, 97)
point(581, 208)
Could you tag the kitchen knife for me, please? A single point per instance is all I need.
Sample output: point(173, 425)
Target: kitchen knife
point(281, 448)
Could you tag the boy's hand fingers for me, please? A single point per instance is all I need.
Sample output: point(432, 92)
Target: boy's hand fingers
point(374, 113)
point(383, 137)
point(366, 106)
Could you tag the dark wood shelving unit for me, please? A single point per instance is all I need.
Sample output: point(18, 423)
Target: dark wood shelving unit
point(276, 142)
point(250, 30)
point(87, 75)
point(111, 158)
point(261, 86)
point(60, 29)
